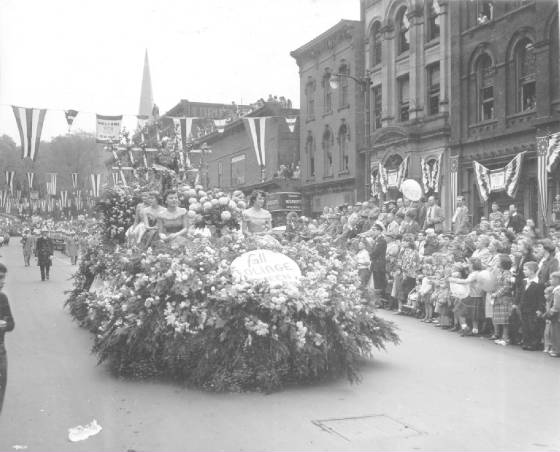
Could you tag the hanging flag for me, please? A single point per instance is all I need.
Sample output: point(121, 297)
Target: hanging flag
point(123, 177)
point(220, 124)
point(96, 185)
point(75, 180)
point(291, 121)
point(512, 173)
point(542, 174)
point(63, 198)
point(183, 127)
point(383, 178)
point(53, 184)
point(108, 128)
point(18, 195)
point(8, 205)
point(436, 173)
point(115, 178)
point(256, 127)
point(70, 116)
point(30, 177)
point(10, 180)
point(2, 198)
point(503, 179)
point(553, 151)
point(402, 172)
point(30, 125)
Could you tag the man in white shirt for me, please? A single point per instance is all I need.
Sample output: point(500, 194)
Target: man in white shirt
point(434, 216)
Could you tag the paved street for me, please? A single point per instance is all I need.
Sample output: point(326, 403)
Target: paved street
point(436, 391)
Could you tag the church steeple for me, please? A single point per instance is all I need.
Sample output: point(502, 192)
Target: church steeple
point(146, 95)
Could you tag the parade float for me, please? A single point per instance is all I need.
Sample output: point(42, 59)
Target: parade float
point(221, 311)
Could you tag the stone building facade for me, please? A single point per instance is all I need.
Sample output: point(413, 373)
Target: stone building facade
point(331, 118)
point(506, 93)
point(407, 57)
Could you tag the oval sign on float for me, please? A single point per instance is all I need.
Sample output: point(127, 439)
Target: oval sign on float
point(276, 268)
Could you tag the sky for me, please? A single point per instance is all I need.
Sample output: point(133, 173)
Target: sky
point(88, 55)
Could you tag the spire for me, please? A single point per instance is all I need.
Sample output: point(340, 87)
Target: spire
point(146, 95)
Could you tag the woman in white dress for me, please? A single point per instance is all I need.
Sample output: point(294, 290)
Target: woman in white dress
point(256, 220)
point(173, 221)
point(150, 218)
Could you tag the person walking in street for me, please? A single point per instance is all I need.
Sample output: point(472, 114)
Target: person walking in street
point(43, 251)
point(72, 248)
point(7, 324)
point(28, 245)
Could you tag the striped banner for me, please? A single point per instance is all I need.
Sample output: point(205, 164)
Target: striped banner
point(53, 184)
point(453, 172)
point(96, 185)
point(256, 127)
point(63, 198)
point(183, 127)
point(30, 177)
point(75, 180)
point(30, 125)
point(10, 180)
point(553, 151)
point(542, 174)
point(70, 116)
point(115, 178)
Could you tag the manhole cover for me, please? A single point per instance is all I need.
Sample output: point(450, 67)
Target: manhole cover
point(376, 426)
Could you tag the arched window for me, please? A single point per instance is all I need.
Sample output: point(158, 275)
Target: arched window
point(392, 165)
point(485, 85)
point(310, 153)
point(327, 92)
point(343, 139)
point(376, 49)
point(343, 99)
point(526, 75)
point(327, 144)
point(403, 33)
point(310, 98)
point(432, 19)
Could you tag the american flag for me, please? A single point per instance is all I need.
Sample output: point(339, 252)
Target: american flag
point(30, 124)
point(553, 150)
point(542, 173)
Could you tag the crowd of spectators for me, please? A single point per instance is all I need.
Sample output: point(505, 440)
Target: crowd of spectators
point(498, 280)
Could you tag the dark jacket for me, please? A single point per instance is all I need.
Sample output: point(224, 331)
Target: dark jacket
point(44, 250)
point(548, 266)
point(532, 298)
point(378, 254)
point(6, 315)
point(517, 222)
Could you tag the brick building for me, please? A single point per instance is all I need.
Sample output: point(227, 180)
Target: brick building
point(331, 120)
point(506, 92)
point(407, 54)
point(232, 163)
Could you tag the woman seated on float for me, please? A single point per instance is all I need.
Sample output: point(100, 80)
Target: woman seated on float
point(150, 216)
point(173, 221)
point(256, 220)
point(135, 232)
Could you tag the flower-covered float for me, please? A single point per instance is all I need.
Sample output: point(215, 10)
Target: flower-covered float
point(179, 312)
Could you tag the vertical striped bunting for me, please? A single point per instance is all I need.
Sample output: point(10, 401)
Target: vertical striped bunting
point(542, 174)
point(30, 125)
point(256, 127)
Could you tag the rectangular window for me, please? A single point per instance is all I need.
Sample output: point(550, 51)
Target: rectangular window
point(433, 89)
point(377, 106)
point(343, 91)
point(328, 98)
point(238, 170)
point(487, 103)
point(528, 96)
point(404, 100)
point(433, 13)
point(310, 106)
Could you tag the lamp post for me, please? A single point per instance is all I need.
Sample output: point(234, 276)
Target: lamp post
point(334, 80)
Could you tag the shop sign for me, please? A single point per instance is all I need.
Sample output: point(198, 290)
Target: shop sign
point(284, 201)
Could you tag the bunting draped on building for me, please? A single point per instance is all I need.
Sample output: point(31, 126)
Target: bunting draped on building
point(53, 184)
point(10, 180)
point(115, 177)
point(393, 178)
point(70, 116)
point(75, 180)
point(30, 177)
point(431, 175)
point(503, 179)
point(256, 128)
point(553, 151)
point(30, 125)
point(291, 121)
point(183, 127)
point(63, 198)
point(453, 184)
point(96, 185)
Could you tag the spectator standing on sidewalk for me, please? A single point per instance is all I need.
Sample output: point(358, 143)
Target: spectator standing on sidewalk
point(6, 325)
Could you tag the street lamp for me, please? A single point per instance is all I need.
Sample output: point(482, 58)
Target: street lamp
point(334, 80)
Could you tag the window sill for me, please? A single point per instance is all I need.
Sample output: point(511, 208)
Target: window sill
point(344, 107)
point(517, 119)
point(487, 122)
point(329, 176)
point(402, 56)
point(522, 113)
point(432, 43)
point(310, 119)
point(328, 113)
point(344, 173)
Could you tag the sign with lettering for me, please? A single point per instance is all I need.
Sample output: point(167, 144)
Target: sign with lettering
point(276, 268)
point(108, 128)
point(284, 201)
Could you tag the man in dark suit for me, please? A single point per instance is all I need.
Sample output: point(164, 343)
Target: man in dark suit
point(44, 250)
point(377, 256)
point(532, 307)
point(548, 264)
point(516, 220)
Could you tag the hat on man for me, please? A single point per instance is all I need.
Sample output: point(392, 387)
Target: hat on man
point(548, 245)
